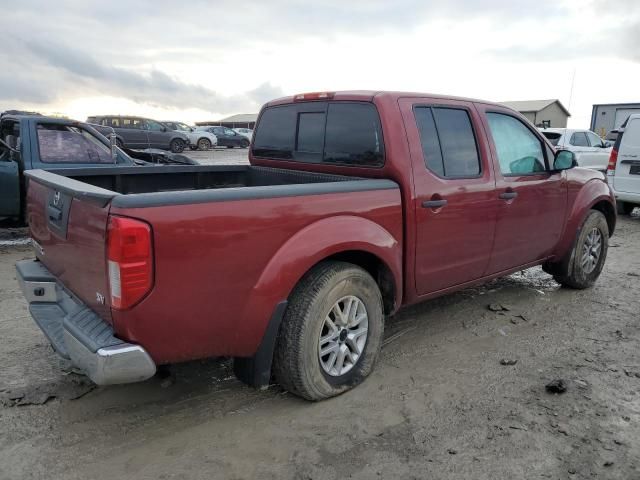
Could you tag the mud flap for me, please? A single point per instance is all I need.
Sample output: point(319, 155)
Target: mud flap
point(256, 371)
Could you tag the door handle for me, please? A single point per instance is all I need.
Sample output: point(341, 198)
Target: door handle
point(508, 195)
point(434, 203)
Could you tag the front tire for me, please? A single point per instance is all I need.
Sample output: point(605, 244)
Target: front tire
point(331, 333)
point(588, 255)
point(177, 145)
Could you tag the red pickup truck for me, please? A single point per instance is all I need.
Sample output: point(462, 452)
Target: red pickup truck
point(355, 204)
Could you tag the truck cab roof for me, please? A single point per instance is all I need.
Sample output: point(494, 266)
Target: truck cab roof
point(367, 96)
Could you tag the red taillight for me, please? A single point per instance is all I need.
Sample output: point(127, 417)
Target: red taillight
point(313, 96)
point(129, 261)
point(613, 160)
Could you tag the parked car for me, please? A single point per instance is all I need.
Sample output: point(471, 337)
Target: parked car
point(139, 133)
point(226, 137)
point(247, 132)
point(624, 166)
point(591, 150)
point(355, 204)
point(198, 139)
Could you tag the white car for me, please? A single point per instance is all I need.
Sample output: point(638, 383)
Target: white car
point(246, 132)
point(590, 150)
point(623, 173)
point(198, 139)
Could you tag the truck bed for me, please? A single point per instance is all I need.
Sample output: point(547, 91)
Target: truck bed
point(133, 180)
point(228, 241)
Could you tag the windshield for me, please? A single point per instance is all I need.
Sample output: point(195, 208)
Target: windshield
point(182, 127)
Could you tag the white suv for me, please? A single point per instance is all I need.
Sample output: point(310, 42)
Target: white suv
point(623, 171)
point(590, 150)
point(198, 139)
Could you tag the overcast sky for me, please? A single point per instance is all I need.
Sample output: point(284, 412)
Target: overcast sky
point(201, 60)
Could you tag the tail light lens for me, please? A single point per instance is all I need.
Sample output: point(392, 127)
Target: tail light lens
point(129, 261)
point(613, 160)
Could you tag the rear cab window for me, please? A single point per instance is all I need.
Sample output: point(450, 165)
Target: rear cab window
point(335, 133)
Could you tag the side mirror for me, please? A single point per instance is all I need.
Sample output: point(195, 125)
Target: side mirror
point(564, 160)
point(164, 129)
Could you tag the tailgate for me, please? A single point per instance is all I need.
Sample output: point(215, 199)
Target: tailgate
point(68, 223)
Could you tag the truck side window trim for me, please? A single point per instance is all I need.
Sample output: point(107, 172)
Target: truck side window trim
point(543, 145)
point(466, 109)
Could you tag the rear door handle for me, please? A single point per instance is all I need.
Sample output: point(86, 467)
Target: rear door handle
point(434, 203)
point(508, 195)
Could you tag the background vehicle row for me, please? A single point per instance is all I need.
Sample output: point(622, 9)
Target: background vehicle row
point(591, 151)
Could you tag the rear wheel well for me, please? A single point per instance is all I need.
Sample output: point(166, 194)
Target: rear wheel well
point(609, 213)
point(378, 269)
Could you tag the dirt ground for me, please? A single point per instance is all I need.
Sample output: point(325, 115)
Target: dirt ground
point(440, 405)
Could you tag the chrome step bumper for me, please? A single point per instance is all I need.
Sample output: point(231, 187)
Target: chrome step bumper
point(77, 333)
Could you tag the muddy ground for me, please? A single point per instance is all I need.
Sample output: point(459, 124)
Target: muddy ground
point(440, 405)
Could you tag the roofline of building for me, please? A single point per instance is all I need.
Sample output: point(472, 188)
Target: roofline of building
point(551, 101)
point(615, 104)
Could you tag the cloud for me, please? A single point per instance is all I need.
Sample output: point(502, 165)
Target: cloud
point(140, 50)
point(155, 87)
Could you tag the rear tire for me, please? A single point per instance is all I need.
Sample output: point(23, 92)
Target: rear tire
point(176, 145)
point(331, 309)
point(588, 255)
point(624, 208)
point(244, 143)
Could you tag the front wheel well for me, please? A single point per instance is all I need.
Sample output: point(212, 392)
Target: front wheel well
point(378, 269)
point(609, 213)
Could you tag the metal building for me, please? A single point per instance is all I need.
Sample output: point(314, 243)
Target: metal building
point(241, 120)
point(609, 116)
point(542, 113)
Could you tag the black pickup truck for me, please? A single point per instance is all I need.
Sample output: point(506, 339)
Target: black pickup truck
point(31, 141)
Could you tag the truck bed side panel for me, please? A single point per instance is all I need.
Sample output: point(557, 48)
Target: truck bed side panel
point(210, 258)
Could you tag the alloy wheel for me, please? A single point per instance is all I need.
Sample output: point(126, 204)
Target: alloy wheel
point(343, 336)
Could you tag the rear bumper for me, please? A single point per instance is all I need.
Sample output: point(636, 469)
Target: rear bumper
point(77, 333)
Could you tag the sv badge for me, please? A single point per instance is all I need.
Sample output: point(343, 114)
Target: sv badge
point(99, 298)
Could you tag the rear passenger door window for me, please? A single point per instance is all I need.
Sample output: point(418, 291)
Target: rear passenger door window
point(448, 142)
point(579, 139)
point(519, 150)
